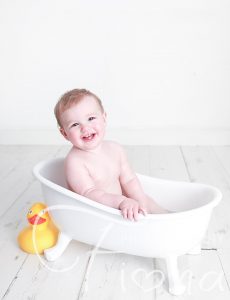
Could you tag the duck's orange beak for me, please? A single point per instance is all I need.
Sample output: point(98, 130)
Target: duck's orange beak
point(37, 219)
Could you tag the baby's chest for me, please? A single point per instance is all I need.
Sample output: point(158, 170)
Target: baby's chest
point(104, 170)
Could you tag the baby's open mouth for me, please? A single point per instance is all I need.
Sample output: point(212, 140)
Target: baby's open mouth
point(88, 137)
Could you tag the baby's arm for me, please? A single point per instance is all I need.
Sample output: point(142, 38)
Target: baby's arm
point(80, 181)
point(132, 188)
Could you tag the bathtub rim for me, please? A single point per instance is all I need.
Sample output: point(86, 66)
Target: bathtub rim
point(64, 191)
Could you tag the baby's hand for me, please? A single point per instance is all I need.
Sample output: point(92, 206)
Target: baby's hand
point(130, 209)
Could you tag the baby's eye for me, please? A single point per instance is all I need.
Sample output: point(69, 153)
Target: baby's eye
point(92, 118)
point(74, 125)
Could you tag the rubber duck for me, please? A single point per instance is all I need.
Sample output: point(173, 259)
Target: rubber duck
point(44, 230)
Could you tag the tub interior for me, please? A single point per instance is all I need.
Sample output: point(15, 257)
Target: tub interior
point(54, 171)
point(172, 195)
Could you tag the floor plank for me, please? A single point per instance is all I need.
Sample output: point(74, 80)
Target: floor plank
point(223, 155)
point(120, 276)
point(36, 280)
point(203, 166)
point(203, 276)
point(17, 179)
point(167, 163)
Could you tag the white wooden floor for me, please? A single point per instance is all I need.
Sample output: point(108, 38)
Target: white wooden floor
point(112, 276)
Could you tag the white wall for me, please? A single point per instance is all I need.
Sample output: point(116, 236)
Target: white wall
point(162, 68)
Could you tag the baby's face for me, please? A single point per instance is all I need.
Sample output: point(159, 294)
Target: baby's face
point(83, 124)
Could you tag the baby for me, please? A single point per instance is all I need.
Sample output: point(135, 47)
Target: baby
point(95, 168)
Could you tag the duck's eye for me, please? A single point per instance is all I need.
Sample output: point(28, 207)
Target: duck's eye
point(30, 212)
point(42, 212)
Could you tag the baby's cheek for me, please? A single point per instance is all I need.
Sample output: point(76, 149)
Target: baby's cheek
point(101, 128)
point(75, 137)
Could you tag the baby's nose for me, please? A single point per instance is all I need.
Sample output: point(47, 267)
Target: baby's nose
point(85, 128)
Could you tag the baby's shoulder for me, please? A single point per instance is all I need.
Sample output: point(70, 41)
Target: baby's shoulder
point(73, 157)
point(113, 146)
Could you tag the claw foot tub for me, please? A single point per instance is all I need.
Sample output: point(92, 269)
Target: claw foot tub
point(155, 235)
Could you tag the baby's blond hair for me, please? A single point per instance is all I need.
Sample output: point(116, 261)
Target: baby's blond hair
point(72, 97)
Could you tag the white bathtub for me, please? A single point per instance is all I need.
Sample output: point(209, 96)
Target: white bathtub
point(156, 235)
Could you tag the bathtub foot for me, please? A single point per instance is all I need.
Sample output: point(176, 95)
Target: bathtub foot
point(55, 252)
point(175, 285)
point(195, 250)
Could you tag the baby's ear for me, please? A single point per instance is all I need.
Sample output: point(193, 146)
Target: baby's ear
point(104, 116)
point(63, 132)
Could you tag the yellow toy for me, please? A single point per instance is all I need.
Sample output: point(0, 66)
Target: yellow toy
point(41, 226)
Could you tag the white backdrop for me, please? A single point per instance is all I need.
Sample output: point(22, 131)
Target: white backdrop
point(161, 68)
